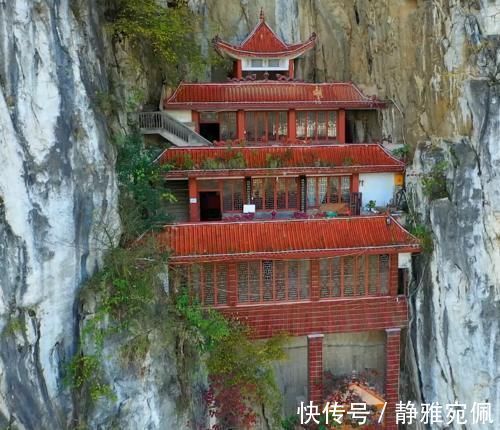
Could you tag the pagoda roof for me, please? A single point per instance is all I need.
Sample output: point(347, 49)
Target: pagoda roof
point(270, 95)
point(251, 240)
point(263, 42)
point(279, 160)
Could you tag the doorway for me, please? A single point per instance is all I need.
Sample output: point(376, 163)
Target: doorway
point(210, 131)
point(210, 206)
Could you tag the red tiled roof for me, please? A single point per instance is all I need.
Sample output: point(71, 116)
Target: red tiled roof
point(335, 158)
point(264, 42)
point(286, 239)
point(269, 94)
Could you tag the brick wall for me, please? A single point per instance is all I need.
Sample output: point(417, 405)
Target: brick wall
point(392, 357)
point(315, 368)
point(332, 316)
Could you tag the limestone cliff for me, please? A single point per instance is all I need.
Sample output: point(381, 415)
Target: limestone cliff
point(57, 198)
point(436, 62)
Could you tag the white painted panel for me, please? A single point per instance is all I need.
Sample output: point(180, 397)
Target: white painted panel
point(404, 260)
point(376, 186)
point(180, 115)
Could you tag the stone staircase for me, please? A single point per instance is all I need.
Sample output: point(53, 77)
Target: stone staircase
point(169, 128)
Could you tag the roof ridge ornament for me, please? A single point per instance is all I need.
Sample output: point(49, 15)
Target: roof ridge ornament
point(261, 15)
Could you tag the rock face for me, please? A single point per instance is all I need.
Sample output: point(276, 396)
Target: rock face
point(57, 198)
point(436, 62)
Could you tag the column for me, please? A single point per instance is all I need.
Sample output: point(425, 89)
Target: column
point(315, 367)
point(194, 205)
point(240, 124)
point(341, 126)
point(291, 69)
point(237, 70)
point(392, 353)
point(292, 126)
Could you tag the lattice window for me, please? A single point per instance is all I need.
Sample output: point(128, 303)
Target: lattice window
point(322, 125)
point(346, 189)
point(196, 281)
point(333, 191)
point(372, 275)
point(208, 297)
point(305, 276)
point(324, 278)
point(336, 272)
point(332, 124)
point(227, 121)
point(348, 276)
point(250, 126)
point(258, 193)
point(280, 280)
point(221, 283)
point(301, 125)
point(267, 273)
point(384, 274)
point(311, 124)
point(269, 190)
point(311, 192)
point(208, 184)
point(293, 280)
point(322, 190)
point(293, 193)
point(232, 195)
point(254, 275)
point(242, 282)
point(281, 194)
point(360, 263)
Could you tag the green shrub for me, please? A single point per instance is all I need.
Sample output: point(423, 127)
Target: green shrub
point(434, 184)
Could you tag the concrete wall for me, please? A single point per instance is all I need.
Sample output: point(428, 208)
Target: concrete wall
point(362, 352)
point(376, 186)
point(291, 375)
point(180, 115)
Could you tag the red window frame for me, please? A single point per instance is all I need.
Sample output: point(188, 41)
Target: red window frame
point(370, 276)
point(310, 119)
point(279, 288)
point(330, 180)
point(235, 203)
point(270, 121)
point(269, 199)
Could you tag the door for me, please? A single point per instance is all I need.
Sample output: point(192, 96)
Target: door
point(210, 209)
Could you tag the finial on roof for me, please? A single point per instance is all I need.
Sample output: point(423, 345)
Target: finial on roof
point(261, 17)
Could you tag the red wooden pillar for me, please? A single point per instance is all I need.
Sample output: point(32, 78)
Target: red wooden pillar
point(392, 353)
point(341, 126)
point(291, 69)
point(315, 368)
point(194, 205)
point(195, 118)
point(232, 282)
point(315, 288)
point(237, 70)
point(355, 183)
point(240, 124)
point(292, 124)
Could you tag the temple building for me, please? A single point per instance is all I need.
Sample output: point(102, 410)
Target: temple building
point(286, 221)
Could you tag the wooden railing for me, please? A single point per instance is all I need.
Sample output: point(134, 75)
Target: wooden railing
point(149, 121)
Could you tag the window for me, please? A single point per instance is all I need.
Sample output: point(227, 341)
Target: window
point(354, 276)
point(275, 193)
point(323, 189)
point(264, 64)
point(266, 126)
point(232, 195)
point(207, 282)
point(227, 121)
point(316, 125)
point(273, 281)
